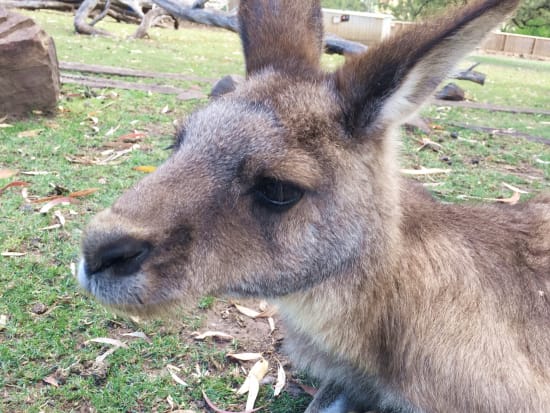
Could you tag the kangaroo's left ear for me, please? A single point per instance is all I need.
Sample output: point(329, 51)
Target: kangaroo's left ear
point(388, 83)
point(286, 35)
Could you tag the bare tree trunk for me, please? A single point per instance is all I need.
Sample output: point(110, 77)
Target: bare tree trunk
point(102, 14)
point(149, 20)
point(80, 24)
point(194, 13)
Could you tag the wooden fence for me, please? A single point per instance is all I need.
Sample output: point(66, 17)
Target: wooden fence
point(505, 43)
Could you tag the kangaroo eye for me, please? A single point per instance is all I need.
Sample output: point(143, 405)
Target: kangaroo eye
point(277, 195)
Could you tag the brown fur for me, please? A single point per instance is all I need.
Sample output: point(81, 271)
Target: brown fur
point(397, 302)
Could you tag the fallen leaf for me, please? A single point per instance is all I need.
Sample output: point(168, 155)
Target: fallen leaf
point(5, 125)
point(513, 200)
point(281, 380)
point(63, 200)
point(132, 137)
point(216, 334)
point(425, 171)
point(171, 403)
point(253, 390)
point(99, 360)
point(271, 323)
point(513, 188)
point(30, 133)
point(13, 254)
point(53, 226)
point(176, 378)
point(35, 173)
point(218, 410)
point(111, 131)
point(145, 168)
point(12, 184)
point(84, 192)
point(268, 312)
point(257, 372)
point(247, 311)
point(7, 173)
point(137, 334)
point(538, 160)
point(245, 356)
point(72, 196)
point(59, 217)
point(312, 391)
point(107, 340)
point(3, 321)
point(51, 380)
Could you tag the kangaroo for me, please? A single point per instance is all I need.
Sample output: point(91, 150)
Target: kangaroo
point(289, 189)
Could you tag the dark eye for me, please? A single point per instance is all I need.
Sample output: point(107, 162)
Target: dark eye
point(277, 195)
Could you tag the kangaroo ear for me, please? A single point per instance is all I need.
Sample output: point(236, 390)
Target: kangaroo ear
point(286, 35)
point(389, 82)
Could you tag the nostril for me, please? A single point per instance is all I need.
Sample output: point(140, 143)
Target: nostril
point(123, 256)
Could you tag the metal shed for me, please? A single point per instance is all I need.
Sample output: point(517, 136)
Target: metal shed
point(367, 28)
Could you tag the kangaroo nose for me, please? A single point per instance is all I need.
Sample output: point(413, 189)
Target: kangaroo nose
point(122, 256)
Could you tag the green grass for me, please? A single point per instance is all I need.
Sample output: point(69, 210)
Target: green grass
point(35, 346)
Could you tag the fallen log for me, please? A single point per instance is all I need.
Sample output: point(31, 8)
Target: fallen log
point(471, 75)
point(490, 107)
point(121, 71)
point(102, 83)
point(498, 131)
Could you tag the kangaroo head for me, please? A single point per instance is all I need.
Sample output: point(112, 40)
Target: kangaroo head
point(286, 182)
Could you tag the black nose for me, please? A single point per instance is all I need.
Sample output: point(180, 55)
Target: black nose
point(122, 256)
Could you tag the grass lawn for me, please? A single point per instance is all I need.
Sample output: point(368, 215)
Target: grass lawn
point(47, 363)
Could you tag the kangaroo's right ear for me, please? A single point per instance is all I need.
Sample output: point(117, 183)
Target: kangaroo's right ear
point(286, 35)
point(390, 81)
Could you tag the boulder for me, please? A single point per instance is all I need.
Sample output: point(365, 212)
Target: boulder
point(225, 85)
point(29, 71)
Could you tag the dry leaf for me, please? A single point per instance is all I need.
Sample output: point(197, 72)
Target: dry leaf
point(99, 360)
point(257, 372)
point(7, 173)
point(176, 378)
point(35, 173)
point(138, 334)
point(268, 312)
point(58, 201)
point(68, 198)
point(247, 311)
point(12, 184)
point(427, 143)
point(308, 389)
point(170, 401)
point(145, 168)
point(245, 356)
point(271, 323)
point(425, 171)
point(13, 254)
point(216, 334)
point(513, 200)
point(281, 379)
point(33, 133)
point(5, 125)
point(218, 410)
point(59, 217)
point(84, 192)
point(107, 340)
point(54, 226)
point(538, 160)
point(513, 188)
point(3, 321)
point(51, 380)
point(253, 390)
